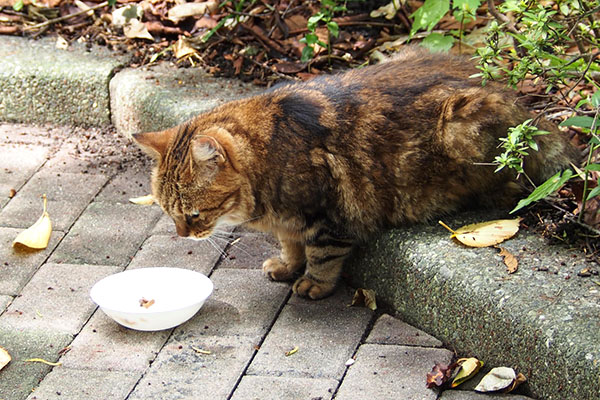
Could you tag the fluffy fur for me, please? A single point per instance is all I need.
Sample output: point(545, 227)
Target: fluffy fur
point(326, 163)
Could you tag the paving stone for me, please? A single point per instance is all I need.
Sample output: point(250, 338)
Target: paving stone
point(468, 395)
point(17, 266)
point(133, 182)
point(4, 302)
point(67, 197)
point(26, 134)
point(249, 249)
point(391, 372)
point(74, 384)
point(173, 251)
point(17, 163)
point(244, 303)
point(18, 378)
point(326, 332)
point(179, 372)
point(56, 298)
point(164, 226)
point(106, 234)
point(390, 330)
point(277, 388)
point(105, 345)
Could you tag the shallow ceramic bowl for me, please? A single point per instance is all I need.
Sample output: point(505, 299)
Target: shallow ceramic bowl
point(178, 294)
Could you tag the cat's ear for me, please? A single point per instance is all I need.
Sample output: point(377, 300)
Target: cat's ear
point(154, 143)
point(207, 148)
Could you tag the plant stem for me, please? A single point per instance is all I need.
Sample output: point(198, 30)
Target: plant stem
point(588, 162)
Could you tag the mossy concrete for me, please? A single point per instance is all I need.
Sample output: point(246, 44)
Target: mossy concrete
point(161, 96)
point(543, 320)
point(42, 84)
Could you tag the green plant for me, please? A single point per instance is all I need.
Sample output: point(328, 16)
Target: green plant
point(536, 44)
point(429, 15)
point(325, 15)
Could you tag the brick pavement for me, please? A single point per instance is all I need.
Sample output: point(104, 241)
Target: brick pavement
point(248, 324)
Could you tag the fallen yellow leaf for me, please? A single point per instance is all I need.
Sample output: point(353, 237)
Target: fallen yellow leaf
point(4, 357)
point(511, 262)
point(37, 235)
point(292, 351)
point(143, 200)
point(468, 368)
point(364, 297)
point(485, 234)
point(41, 360)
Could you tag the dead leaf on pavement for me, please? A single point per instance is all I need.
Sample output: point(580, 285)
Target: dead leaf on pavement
point(518, 380)
point(143, 200)
point(292, 351)
point(485, 234)
point(439, 375)
point(37, 235)
point(497, 379)
point(4, 357)
point(364, 297)
point(512, 263)
point(468, 368)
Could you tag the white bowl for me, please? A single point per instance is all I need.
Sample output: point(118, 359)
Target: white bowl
point(178, 294)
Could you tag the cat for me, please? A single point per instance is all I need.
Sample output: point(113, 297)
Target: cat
point(326, 163)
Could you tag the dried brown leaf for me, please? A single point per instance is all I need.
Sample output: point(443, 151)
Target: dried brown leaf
point(439, 375)
point(364, 297)
point(511, 262)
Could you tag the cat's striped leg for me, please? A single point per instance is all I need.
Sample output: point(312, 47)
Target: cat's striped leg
point(325, 255)
point(291, 259)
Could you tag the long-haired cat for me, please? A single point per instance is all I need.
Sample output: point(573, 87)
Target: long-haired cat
point(326, 163)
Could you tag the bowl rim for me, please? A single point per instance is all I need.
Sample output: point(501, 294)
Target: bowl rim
point(147, 311)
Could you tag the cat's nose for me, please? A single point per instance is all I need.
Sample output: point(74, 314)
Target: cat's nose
point(182, 230)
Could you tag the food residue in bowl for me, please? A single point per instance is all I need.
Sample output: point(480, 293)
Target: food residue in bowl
point(146, 303)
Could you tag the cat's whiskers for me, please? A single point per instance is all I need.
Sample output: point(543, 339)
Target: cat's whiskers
point(216, 246)
point(235, 244)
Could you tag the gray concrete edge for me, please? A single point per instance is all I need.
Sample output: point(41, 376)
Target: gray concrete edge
point(438, 295)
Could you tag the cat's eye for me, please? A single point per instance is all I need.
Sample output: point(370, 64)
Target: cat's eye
point(195, 214)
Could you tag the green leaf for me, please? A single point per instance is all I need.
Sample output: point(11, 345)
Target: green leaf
point(310, 39)
point(18, 6)
point(582, 121)
point(595, 192)
point(592, 167)
point(429, 14)
point(334, 29)
point(596, 99)
point(307, 54)
point(545, 189)
point(467, 5)
point(312, 21)
point(438, 43)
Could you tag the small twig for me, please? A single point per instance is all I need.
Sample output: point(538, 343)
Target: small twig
point(59, 19)
point(571, 217)
point(509, 25)
point(270, 69)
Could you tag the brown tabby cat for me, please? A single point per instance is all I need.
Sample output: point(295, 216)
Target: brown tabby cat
point(326, 163)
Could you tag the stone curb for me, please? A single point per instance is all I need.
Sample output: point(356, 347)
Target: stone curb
point(544, 326)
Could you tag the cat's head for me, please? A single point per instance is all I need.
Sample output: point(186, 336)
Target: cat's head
point(197, 179)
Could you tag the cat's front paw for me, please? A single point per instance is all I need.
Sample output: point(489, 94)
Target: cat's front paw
point(307, 287)
point(277, 270)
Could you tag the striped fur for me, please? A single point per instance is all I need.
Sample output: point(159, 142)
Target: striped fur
point(329, 162)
